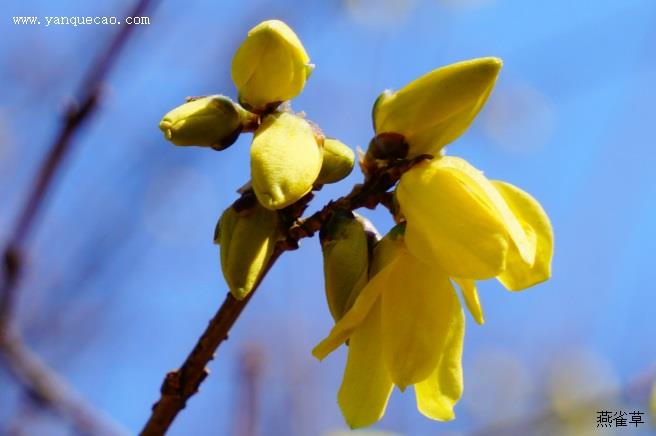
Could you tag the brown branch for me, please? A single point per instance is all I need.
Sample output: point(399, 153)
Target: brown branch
point(25, 366)
point(179, 385)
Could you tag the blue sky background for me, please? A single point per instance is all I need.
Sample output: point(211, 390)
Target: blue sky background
point(123, 276)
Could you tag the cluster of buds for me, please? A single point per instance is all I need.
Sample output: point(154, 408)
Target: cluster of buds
point(394, 298)
point(289, 154)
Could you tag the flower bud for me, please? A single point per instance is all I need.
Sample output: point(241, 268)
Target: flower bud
point(285, 160)
point(270, 66)
point(387, 249)
point(437, 108)
point(247, 234)
point(213, 121)
point(338, 161)
point(345, 244)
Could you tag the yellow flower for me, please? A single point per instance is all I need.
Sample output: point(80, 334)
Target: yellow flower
point(518, 274)
point(405, 328)
point(474, 228)
point(437, 108)
point(270, 66)
point(285, 160)
point(406, 325)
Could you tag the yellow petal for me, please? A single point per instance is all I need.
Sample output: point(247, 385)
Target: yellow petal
point(473, 303)
point(285, 160)
point(270, 66)
point(343, 328)
point(387, 249)
point(438, 107)
point(449, 225)
point(417, 309)
point(488, 195)
point(437, 395)
point(520, 274)
point(366, 386)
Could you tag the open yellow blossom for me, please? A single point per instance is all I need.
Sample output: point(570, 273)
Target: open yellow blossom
point(438, 107)
point(405, 328)
point(520, 274)
point(474, 228)
point(270, 66)
point(459, 220)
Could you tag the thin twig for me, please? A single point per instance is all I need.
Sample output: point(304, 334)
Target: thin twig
point(33, 375)
point(179, 385)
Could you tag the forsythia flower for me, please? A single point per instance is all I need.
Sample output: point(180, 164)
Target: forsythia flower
point(270, 66)
point(435, 109)
point(480, 229)
point(406, 326)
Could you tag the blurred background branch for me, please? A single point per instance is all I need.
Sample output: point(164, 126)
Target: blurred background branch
point(41, 382)
point(49, 390)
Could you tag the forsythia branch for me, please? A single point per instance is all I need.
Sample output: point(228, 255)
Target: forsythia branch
point(179, 385)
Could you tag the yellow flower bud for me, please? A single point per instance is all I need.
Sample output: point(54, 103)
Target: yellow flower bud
point(270, 66)
point(213, 121)
point(285, 160)
point(345, 245)
point(247, 234)
point(338, 161)
point(437, 108)
point(386, 250)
